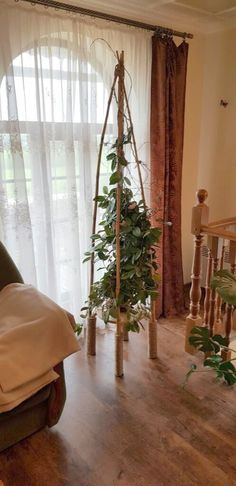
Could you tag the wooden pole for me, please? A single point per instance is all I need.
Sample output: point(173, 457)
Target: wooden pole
point(120, 154)
point(91, 321)
point(98, 172)
point(137, 161)
point(152, 324)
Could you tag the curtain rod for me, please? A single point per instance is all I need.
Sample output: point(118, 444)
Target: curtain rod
point(113, 18)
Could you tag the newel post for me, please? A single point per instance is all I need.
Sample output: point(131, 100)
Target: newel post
point(200, 215)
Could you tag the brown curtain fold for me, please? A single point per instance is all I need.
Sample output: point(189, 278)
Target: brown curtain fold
point(169, 67)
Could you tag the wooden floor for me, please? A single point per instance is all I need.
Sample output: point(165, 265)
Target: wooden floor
point(144, 429)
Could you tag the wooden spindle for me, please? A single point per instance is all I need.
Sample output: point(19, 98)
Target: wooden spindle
point(200, 215)
point(195, 292)
point(213, 244)
point(207, 289)
point(229, 309)
point(219, 325)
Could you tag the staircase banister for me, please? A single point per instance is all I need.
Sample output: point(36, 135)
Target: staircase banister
point(215, 234)
point(219, 233)
point(223, 222)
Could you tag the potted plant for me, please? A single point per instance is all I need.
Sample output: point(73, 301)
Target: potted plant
point(138, 242)
point(225, 283)
point(125, 243)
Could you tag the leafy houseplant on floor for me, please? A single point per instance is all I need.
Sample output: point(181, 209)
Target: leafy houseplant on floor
point(225, 284)
point(125, 244)
point(138, 239)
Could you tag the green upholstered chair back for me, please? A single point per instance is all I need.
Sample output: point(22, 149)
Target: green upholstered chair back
point(9, 273)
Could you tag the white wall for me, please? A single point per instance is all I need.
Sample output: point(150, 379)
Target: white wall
point(193, 119)
point(210, 131)
point(217, 158)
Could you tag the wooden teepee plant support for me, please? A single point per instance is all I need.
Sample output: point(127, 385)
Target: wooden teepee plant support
point(113, 233)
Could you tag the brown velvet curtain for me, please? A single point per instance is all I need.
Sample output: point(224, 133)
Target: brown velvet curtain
point(169, 66)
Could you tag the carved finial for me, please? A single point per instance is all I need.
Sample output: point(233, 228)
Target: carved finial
point(202, 195)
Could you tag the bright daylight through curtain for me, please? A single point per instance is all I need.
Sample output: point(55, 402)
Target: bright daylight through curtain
point(54, 87)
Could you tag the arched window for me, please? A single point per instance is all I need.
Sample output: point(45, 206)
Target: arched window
point(52, 105)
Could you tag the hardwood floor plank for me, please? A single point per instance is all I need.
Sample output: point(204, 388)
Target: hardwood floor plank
point(142, 430)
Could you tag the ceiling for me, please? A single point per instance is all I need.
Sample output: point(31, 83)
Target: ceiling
point(196, 15)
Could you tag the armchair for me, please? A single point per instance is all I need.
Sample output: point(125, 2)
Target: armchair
point(45, 407)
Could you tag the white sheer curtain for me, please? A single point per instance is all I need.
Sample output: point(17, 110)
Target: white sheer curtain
point(55, 79)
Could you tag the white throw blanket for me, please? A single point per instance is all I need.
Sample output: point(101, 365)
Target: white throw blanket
point(35, 335)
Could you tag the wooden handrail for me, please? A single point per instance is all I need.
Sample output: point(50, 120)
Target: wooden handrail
point(226, 235)
point(223, 222)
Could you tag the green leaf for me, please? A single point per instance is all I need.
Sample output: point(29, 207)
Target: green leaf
point(225, 284)
point(230, 378)
point(137, 231)
point(105, 189)
point(111, 156)
point(201, 339)
point(113, 164)
point(115, 177)
point(137, 255)
point(229, 372)
point(204, 345)
point(99, 198)
point(227, 365)
point(200, 330)
point(223, 341)
point(129, 274)
point(132, 326)
point(212, 361)
point(128, 182)
point(78, 329)
point(99, 246)
point(102, 256)
point(86, 259)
